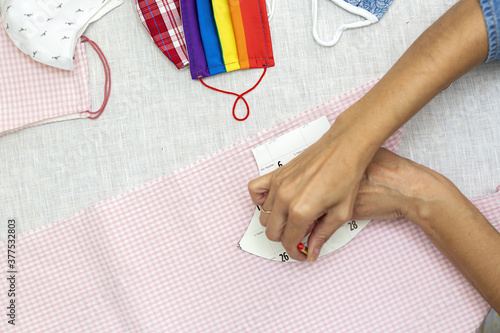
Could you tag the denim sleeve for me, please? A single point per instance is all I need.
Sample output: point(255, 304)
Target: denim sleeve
point(491, 12)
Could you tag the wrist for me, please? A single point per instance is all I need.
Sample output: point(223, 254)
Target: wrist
point(434, 200)
point(353, 130)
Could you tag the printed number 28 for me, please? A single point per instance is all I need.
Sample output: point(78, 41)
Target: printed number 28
point(353, 226)
point(284, 257)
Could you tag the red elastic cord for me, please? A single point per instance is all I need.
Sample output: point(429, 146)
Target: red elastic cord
point(107, 71)
point(240, 96)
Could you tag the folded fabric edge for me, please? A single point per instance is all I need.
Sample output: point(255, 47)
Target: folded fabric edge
point(78, 115)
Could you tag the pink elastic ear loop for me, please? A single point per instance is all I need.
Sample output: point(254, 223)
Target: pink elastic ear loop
point(240, 96)
point(107, 71)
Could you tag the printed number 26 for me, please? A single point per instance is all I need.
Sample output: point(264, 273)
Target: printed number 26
point(284, 257)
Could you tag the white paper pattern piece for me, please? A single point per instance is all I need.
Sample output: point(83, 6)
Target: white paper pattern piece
point(271, 156)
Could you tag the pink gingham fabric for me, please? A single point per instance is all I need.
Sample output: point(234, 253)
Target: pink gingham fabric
point(163, 257)
point(31, 92)
point(162, 20)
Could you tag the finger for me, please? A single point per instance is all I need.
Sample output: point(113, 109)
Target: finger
point(259, 188)
point(300, 223)
point(310, 228)
point(324, 229)
point(267, 206)
point(259, 192)
point(276, 221)
point(263, 218)
point(267, 186)
point(290, 242)
point(264, 215)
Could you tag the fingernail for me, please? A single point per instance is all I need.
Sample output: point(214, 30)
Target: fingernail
point(314, 255)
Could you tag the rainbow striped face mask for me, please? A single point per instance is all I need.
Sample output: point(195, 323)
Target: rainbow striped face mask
point(226, 35)
point(211, 36)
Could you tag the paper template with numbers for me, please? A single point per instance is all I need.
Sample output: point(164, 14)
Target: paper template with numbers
point(271, 156)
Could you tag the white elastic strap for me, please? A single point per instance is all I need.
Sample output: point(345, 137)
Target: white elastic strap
point(270, 9)
point(370, 18)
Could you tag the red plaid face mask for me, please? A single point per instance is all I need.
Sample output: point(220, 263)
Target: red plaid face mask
point(162, 20)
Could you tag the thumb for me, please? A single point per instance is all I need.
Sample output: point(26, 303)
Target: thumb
point(259, 188)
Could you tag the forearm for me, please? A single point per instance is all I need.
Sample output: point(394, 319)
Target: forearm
point(393, 186)
point(462, 234)
point(452, 46)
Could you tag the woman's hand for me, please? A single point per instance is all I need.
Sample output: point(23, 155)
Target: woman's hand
point(315, 192)
point(393, 186)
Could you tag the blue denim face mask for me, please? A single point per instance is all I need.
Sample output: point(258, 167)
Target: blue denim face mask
point(371, 10)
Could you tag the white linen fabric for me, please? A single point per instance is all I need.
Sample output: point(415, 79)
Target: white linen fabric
point(158, 120)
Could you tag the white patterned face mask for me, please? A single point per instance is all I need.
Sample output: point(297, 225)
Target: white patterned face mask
point(371, 10)
point(48, 30)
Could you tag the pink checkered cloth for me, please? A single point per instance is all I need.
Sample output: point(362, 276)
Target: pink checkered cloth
point(163, 257)
point(162, 20)
point(32, 93)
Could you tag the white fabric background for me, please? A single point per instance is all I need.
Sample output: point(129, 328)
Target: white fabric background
point(159, 120)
